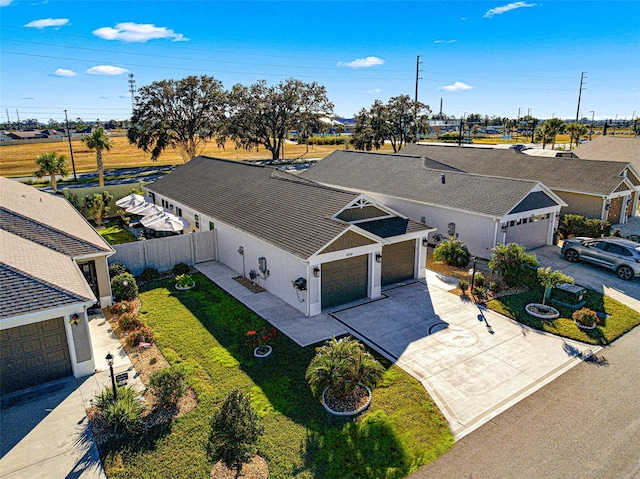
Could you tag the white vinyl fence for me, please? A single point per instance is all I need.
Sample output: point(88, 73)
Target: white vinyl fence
point(164, 253)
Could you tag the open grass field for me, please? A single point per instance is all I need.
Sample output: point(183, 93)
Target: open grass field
point(204, 331)
point(20, 160)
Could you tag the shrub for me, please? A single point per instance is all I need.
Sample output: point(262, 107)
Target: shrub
point(453, 252)
point(124, 287)
point(463, 284)
point(495, 286)
point(185, 280)
point(577, 225)
point(122, 307)
point(513, 263)
point(235, 430)
point(181, 268)
point(479, 279)
point(149, 274)
point(480, 292)
point(586, 317)
point(129, 321)
point(105, 397)
point(116, 269)
point(167, 385)
point(124, 415)
point(142, 335)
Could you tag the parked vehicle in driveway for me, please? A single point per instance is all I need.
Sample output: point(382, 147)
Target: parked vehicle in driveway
point(617, 254)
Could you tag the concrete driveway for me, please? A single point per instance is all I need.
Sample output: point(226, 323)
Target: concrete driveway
point(474, 363)
point(593, 277)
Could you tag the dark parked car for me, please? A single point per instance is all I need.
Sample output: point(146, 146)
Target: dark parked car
point(519, 147)
point(617, 254)
point(635, 238)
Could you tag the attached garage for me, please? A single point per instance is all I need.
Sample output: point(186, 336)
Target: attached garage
point(33, 354)
point(530, 234)
point(398, 262)
point(344, 281)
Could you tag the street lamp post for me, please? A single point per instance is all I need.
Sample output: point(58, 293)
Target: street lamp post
point(109, 359)
point(473, 274)
point(592, 117)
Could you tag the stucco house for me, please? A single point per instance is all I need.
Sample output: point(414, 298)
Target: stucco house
point(312, 246)
point(480, 210)
point(53, 268)
point(606, 190)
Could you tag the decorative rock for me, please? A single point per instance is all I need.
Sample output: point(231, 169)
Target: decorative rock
point(347, 413)
point(258, 353)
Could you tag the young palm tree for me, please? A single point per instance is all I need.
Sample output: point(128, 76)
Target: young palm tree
point(341, 365)
point(556, 126)
point(51, 164)
point(99, 140)
point(576, 130)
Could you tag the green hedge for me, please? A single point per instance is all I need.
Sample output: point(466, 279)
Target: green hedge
point(576, 225)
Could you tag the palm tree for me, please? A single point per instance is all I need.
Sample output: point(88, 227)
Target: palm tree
point(52, 164)
point(543, 135)
point(556, 126)
point(98, 140)
point(341, 365)
point(576, 130)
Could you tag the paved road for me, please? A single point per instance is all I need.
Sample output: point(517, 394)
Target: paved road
point(586, 424)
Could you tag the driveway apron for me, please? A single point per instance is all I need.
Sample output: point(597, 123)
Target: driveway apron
point(474, 363)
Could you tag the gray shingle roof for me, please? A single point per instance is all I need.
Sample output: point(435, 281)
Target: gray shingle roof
point(572, 174)
point(533, 201)
point(611, 148)
point(407, 177)
point(284, 210)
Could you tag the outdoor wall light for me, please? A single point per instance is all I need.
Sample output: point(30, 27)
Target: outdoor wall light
point(316, 272)
point(608, 207)
point(425, 242)
point(241, 250)
point(378, 258)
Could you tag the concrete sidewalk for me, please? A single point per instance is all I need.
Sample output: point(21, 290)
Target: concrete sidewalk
point(45, 431)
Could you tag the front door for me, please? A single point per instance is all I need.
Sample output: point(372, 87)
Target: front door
point(89, 271)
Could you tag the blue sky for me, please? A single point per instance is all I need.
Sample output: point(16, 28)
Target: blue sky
point(492, 58)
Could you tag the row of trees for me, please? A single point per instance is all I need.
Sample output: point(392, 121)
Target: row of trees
point(186, 113)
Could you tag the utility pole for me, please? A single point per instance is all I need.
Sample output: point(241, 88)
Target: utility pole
point(18, 115)
point(593, 114)
point(132, 89)
point(8, 120)
point(415, 104)
point(73, 163)
point(580, 94)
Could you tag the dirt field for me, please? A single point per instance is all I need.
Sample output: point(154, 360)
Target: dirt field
point(20, 160)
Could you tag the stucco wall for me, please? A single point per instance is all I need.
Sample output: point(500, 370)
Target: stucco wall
point(104, 283)
point(579, 204)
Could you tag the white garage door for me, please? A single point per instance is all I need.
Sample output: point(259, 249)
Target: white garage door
point(530, 234)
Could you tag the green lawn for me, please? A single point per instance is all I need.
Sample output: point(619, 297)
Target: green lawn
point(620, 321)
point(204, 330)
point(116, 234)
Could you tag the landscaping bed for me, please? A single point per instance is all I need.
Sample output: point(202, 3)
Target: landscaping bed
point(204, 331)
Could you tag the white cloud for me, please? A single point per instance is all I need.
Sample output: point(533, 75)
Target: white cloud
point(48, 22)
point(106, 70)
point(61, 72)
point(128, 95)
point(138, 33)
point(363, 62)
point(445, 41)
point(27, 98)
point(507, 8)
point(375, 90)
point(5, 3)
point(457, 86)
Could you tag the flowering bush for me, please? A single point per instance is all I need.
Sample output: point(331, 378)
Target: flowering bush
point(129, 321)
point(185, 280)
point(586, 317)
point(144, 334)
point(258, 339)
point(122, 307)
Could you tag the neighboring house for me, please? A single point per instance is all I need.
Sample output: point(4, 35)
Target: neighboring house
point(53, 267)
point(312, 246)
point(481, 211)
point(611, 148)
point(26, 135)
point(606, 190)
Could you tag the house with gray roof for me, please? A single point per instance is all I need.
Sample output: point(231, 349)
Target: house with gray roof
point(606, 190)
point(611, 148)
point(480, 210)
point(53, 268)
point(313, 246)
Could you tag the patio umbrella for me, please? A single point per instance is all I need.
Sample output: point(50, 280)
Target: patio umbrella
point(145, 209)
point(132, 200)
point(164, 222)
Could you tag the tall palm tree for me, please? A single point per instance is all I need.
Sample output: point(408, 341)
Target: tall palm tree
point(555, 126)
point(99, 140)
point(576, 130)
point(52, 164)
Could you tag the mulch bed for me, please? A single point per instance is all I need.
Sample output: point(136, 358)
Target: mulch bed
point(145, 361)
point(257, 468)
point(349, 403)
point(250, 285)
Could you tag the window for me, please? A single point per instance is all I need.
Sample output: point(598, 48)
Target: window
point(617, 249)
point(211, 225)
point(153, 197)
point(178, 211)
point(196, 218)
point(165, 203)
